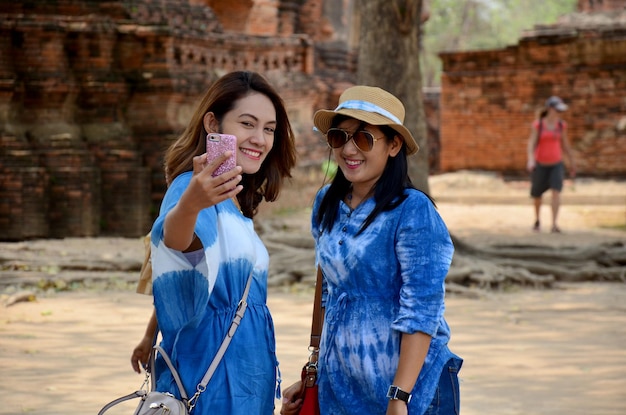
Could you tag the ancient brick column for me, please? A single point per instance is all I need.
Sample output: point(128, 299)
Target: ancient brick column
point(44, 104)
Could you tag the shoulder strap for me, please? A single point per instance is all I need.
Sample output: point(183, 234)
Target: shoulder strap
point(241, 310)
point(559, 128)
point(168, 362)
point(316, 321)
point(309, 371)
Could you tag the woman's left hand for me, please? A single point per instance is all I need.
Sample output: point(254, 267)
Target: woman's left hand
point(292, 402)
point(141, 354)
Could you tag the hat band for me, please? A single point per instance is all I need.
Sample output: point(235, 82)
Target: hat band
point(369, 107)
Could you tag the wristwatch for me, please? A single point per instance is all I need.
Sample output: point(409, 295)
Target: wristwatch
point(395, 393)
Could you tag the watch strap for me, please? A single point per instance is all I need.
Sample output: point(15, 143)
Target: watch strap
point(395, 393)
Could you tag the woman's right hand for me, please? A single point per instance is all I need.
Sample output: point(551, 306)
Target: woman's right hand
point(292, 401)
point(207, 190)
point(141, 354)
point(530, 166)
point(203, 191)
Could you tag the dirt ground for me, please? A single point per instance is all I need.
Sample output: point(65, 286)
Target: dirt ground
point(527, 352)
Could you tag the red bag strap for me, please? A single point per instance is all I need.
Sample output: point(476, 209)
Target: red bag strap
point(317, 319)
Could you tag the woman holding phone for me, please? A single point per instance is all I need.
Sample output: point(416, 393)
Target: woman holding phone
point(204, 248)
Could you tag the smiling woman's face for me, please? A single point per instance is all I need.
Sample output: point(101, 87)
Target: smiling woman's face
point(253, 121)
point(364, 168)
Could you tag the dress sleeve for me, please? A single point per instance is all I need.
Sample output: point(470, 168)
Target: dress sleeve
point(424, 251)
point(181, 290)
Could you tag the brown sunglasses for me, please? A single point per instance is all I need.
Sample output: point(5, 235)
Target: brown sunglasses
point(363, 140)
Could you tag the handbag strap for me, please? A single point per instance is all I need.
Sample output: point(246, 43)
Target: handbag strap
point(136, 394)
point(309, 371)
point(241, 310)
point(316, 320)
point(168, 362)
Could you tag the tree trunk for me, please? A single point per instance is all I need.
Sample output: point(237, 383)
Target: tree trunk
point(389, 51)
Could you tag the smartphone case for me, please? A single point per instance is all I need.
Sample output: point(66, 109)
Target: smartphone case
point(216, 145)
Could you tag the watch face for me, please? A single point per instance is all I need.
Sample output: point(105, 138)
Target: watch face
point(395, 393)
point(391, 393)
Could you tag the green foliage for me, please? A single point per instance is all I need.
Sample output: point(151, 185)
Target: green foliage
point(481, 24)
point(329, 168)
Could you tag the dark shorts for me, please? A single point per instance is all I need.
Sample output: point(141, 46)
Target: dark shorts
point(547, 177)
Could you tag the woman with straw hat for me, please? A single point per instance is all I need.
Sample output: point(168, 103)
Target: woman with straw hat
point(384, 252)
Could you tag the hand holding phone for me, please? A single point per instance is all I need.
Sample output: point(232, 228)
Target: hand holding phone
point(216, 145)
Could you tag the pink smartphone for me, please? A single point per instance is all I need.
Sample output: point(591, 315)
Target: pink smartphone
point(216, 145)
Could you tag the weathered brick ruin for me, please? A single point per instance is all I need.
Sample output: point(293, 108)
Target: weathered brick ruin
point(92, 92)
point(489, 98)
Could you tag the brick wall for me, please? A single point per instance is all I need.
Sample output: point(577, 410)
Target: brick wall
point(600, 5)
point(91, 94)
point(490, 98)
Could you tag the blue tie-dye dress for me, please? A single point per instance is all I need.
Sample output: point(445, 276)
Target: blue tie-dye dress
point(195, 305)
point(386, 281)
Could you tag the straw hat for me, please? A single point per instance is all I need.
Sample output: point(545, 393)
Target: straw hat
point(372, 105)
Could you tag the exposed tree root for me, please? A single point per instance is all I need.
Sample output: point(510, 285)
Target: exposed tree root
point(475, 269)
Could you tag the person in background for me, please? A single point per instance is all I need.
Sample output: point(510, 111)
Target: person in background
point(204, 247)
point(546, 145)
point(384, 252)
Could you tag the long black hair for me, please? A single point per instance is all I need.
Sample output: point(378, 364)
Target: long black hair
point(388, 191)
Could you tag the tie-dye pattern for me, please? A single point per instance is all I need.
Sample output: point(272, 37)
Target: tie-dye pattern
point(386, 281)
point(195, 306)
